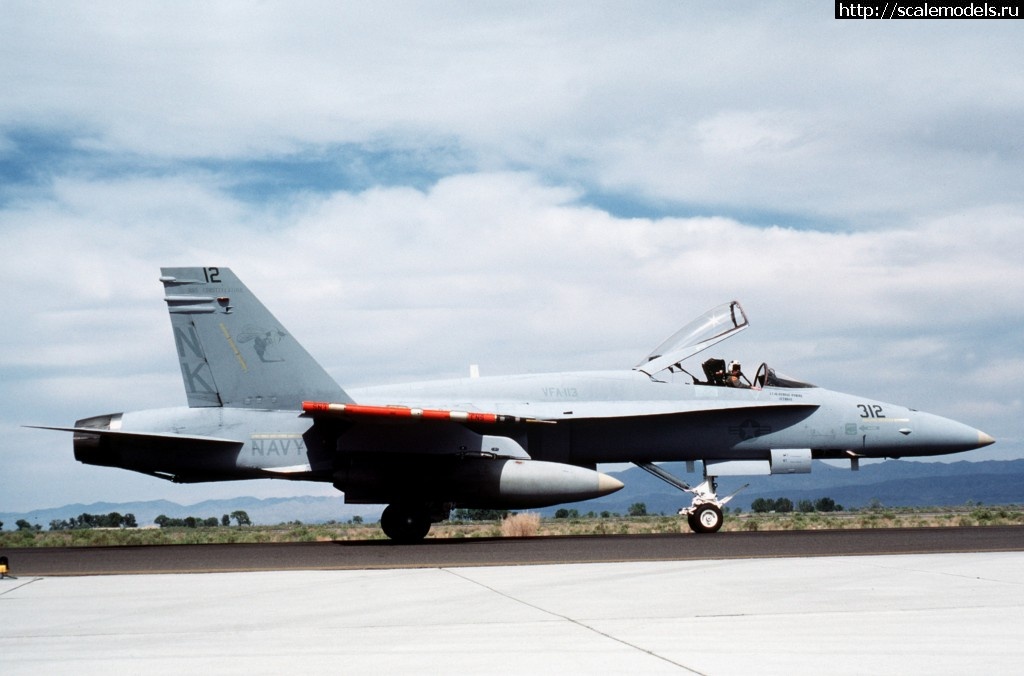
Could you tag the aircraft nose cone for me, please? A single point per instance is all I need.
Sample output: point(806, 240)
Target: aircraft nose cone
point(607, 484)
point(930, 434)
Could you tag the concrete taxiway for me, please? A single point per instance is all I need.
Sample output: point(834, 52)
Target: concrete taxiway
point(926, 613)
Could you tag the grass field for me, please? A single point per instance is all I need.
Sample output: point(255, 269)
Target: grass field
point(526, 524)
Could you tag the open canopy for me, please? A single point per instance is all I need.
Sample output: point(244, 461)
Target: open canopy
point(710, 328)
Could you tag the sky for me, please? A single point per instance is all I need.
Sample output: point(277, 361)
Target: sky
point(416, 187)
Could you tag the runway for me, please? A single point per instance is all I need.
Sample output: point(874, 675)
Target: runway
point(854, 602)
point(372, 554)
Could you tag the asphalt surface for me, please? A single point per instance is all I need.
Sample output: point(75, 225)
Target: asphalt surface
point(379, 554)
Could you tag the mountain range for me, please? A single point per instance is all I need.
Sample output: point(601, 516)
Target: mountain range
point(894, 483)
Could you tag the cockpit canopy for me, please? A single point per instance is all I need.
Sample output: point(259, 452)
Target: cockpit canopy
point(712, 327)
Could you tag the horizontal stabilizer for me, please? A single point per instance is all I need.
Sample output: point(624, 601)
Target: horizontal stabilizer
point(207, 442)
point(291, 469)
point(382, 413)
point(181, 458)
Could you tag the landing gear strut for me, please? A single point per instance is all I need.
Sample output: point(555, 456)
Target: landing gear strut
point(704, 515)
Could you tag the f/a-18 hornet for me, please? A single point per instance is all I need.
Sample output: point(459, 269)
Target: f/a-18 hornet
point(259, 406)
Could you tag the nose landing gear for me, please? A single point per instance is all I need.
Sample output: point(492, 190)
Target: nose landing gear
point(705, 518)
point(704, 515)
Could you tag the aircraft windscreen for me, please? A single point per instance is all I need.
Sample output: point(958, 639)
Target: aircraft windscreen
point(768, 377)
point(711, 327)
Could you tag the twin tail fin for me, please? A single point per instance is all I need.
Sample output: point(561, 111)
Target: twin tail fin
point(233, 352)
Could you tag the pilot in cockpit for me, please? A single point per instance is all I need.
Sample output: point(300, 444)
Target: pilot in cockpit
point(736, 377)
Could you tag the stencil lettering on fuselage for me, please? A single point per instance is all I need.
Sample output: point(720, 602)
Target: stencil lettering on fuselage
point(560, 392)
point(278, 444)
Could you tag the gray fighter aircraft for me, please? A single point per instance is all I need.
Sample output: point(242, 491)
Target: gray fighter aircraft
point(259, 406)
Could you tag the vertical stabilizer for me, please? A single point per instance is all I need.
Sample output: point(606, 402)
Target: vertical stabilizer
point(233, 352)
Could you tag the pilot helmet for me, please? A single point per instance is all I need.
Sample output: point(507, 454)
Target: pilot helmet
point(735, 366)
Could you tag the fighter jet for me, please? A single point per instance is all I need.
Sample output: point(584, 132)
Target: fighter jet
point(259, 406)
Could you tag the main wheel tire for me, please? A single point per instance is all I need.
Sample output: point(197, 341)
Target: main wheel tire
point(405, 523)
point(706, 519)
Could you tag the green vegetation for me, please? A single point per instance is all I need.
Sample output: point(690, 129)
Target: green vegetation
point(526, 524)
point(178, 535)
point(637, 509)
point(785, 506)
point(475, 515)
point(240, 517)
point(85, 520)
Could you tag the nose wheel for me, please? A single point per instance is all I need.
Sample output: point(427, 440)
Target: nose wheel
point(706, 518)
point(704, 515)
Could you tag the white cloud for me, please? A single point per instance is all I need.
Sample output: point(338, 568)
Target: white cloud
point(741, 108)
point(497, 255)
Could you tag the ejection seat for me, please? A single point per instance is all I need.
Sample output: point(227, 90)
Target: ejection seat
point(714, 371)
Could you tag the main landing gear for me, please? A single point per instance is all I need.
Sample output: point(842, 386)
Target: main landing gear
point(704, 515)
point(410, 522)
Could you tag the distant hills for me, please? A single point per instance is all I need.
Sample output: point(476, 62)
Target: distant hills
point(894, 483)
point(266, 511)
